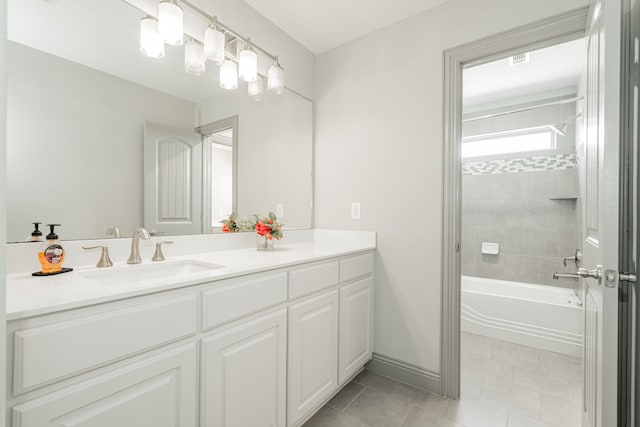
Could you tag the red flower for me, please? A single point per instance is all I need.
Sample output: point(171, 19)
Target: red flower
point(225, 229)
point(262, 229)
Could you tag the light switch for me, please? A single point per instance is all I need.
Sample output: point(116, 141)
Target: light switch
point(355, 210)
point(280, 210)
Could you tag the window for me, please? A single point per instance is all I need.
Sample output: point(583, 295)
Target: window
point(516, 141)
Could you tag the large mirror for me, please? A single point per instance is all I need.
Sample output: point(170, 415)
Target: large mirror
point(81, 102)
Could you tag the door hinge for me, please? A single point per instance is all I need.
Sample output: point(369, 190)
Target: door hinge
point(458, 247)
point(611, 277)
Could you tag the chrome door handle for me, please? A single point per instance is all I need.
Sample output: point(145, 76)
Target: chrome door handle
point(590, 274)
point(582, 273)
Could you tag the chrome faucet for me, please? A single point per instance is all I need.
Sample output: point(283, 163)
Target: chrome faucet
point(140, 233)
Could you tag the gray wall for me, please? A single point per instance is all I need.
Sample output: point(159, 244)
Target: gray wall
point(530, 213)
point(379, 142)
point(519, 211)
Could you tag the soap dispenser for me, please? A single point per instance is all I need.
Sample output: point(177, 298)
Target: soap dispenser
point(51, 255)
point(36, 235)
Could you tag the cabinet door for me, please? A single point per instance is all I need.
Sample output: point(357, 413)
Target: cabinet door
point(159, 391)
point(313, 353)
point(244, 374)
point(356, 327)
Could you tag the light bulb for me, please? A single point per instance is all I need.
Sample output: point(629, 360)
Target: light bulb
point(256, 89)
point(151, 42)
point(275, 78)
point(248, 64)
point(214, 45)
point(229, 74)
point(170, 22)
point(194, 58)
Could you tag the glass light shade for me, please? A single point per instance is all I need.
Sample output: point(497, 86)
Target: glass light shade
point(170, 23)
point(194, 58)
point(214, 45)
point(229, 74)
point(275, 79)
point(151, 42)
point(256, 89)
point(248, 65)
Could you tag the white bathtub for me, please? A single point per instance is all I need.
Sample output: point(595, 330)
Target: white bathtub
point(538, 316)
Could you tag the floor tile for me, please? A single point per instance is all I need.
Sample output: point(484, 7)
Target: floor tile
point(560, 412)
point(418, 417)
point(476, 413)
point(329, 417)
point(517, 419)
point(514, 398)
point(347, 395)
point(377, 382)
point(378, 409)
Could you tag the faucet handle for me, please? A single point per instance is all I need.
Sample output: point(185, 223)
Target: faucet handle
point(113, 231)
point(158, 255)
point(105, 260)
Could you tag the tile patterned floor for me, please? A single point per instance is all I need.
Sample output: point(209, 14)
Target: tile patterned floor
point(503, 385)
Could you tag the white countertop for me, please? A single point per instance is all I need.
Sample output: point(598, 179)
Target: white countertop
point(29, 296)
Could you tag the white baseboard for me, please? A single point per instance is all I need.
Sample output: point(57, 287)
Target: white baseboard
point(405, 372)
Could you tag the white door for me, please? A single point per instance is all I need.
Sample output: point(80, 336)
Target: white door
point(172, 180)
point(158, 391)
point(313, 354)
point(244, 374)
point(600, 204)
point(356, 327)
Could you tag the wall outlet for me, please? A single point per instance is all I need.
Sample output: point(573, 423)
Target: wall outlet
point(280, 210)
point(355, 210)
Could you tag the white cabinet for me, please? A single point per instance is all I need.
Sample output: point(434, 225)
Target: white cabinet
point(261, 350)
point(313, 354)
point(356, 327)
point(159, 391)
point(244, 374)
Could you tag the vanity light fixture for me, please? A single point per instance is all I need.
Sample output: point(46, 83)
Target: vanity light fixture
point(229, 74)
point(194, 57)
point(275, 78)
point(151, 42)
point(214, 43)
point(256, 89)
point(218, 44)
point(248, 63)
point(171, 22)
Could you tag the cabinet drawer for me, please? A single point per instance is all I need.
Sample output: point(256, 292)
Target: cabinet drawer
point(45, 354)
point(157, 391)
point(230, 302)
point(311, 279)
point(356, 266)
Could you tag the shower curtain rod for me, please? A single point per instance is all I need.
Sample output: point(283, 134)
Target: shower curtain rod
point(533, 107)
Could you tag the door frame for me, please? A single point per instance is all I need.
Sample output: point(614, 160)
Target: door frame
point(561, 28)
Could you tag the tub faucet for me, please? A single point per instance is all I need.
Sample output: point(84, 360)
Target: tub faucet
point(140, 233)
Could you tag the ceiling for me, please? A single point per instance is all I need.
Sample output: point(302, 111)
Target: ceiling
point(323, 25)
point(553, 70)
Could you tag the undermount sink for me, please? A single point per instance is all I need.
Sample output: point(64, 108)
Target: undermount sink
point(154, 272)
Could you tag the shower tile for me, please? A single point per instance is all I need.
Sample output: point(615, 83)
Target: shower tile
point(540, 241)
point(468, 263)
point(568, 182)
point(550, 265)
point(566, 241)
point(506, 186)
point(543, 184)
point(520, 268)
point(489, 266)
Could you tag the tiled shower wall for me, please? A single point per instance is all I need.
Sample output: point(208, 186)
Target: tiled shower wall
point(530, 214)
point(525, 203)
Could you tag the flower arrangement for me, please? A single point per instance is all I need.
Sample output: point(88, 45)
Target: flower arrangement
point(269, 227)
point(230, 225)
point(234, 224)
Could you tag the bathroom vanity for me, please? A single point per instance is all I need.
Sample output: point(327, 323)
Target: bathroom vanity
point(259, 339)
